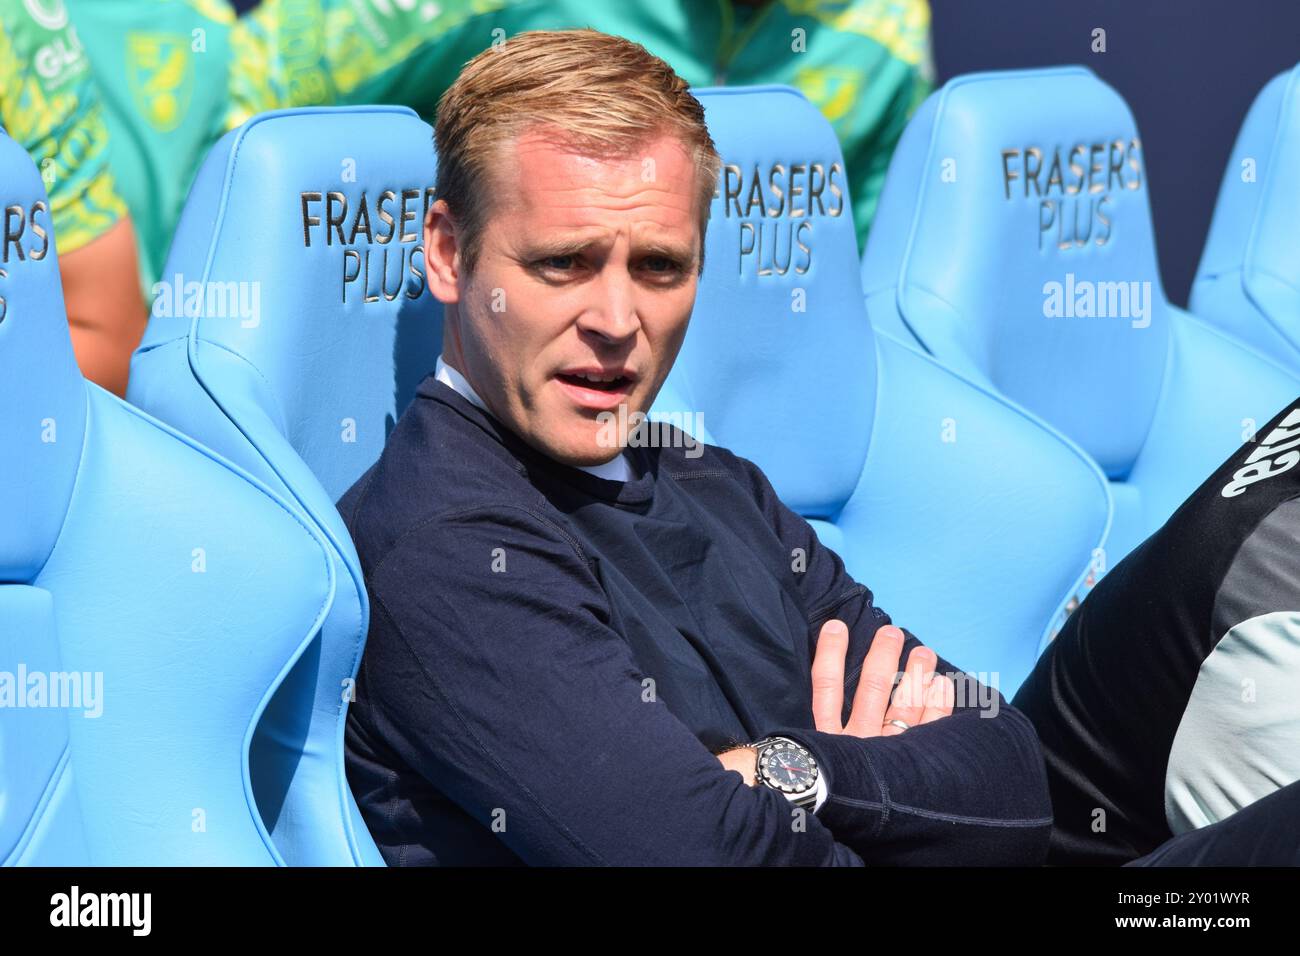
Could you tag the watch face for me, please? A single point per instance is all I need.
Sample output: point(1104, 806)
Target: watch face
point(787, 766)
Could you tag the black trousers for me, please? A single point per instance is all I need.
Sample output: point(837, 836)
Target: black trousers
point(1264, 833)
point(1171, 697)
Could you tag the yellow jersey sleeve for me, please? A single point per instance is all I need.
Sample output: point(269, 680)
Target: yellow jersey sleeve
point(49, 105)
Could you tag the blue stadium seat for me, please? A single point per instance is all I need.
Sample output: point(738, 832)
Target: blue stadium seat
point(40, 815)
point(152, 592)
point(300, 249)
point(1013, 242)
point(970, 520)
point(1248, 283)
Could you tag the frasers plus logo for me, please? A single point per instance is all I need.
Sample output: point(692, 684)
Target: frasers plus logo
point(1073, 187)
point(379, 237)
point(26, 236)
point(775, 209)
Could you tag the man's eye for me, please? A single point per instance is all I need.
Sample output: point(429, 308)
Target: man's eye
point(557, 268)
point(662, 265)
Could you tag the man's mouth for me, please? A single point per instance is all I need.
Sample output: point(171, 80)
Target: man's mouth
point(596, 387)
point(601, 381)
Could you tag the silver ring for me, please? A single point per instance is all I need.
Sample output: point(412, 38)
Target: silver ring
point(899, 723)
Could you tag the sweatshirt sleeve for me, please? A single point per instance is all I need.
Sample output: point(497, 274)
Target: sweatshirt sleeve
point(970, 788)
point(502, 682)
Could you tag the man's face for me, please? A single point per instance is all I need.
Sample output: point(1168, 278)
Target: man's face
point(587, 270)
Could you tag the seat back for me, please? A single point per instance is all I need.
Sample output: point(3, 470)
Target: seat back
point(310, 328)
point(936, 493)
point(151, 597)
point(779, 286)
point(1010, 194)
point(305, 268)
point(40, 818)
point(1013, 242)
point(1248, 282)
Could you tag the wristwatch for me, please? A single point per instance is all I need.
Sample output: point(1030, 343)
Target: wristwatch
point(787, 766)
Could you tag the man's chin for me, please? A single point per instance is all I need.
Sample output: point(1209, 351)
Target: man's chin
point(588, 457)
point(587, 450)
point(588, 438)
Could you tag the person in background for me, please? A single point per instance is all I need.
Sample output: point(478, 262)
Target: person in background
point(864, 63)
point(175, 74)
point(48, 104)
point(160, 67)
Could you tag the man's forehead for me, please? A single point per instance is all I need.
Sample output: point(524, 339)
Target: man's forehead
point(539, 169)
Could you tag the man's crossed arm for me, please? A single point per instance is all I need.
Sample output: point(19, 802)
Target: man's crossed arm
point(879, 710)
point(514, 695)
point(946, 826)
point(970, 788)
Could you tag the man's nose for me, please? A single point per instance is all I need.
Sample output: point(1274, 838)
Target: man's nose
point(612, 311)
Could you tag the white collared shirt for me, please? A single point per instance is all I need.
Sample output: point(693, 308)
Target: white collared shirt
point(616, 469)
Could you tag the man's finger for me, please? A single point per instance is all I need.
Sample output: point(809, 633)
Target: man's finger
point(940, 697)
point(879, 669)
point(908, 702)
point(828, 676)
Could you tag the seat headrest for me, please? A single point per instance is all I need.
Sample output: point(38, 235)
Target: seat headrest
point(42, 392)
point(300, 251)
point(779, 358)
point(1013, 239)
point(1259, 204)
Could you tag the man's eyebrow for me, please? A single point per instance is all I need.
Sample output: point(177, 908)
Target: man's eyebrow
point(669, 250)
point(545, 249)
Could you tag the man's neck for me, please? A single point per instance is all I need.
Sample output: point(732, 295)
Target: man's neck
point(616, 469)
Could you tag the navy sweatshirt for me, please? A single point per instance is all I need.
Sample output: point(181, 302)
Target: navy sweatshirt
point(554, 658)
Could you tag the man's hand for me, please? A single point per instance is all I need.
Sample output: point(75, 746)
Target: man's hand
point(921, 697)
point(743, 760)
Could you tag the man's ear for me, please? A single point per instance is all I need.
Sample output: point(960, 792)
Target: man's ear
point(441, 254)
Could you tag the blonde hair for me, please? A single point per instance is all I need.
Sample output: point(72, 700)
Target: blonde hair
point(603, 95)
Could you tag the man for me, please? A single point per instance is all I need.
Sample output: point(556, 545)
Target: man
point(585, 653)
point(49, 106)
point(562, 633)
